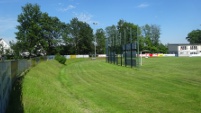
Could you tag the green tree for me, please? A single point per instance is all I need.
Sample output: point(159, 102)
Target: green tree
point(38, 33)
point(155, 34)
point(100, 39)
point(1, 49)
point(16, 49)
point(128, 31)
point(74, 34)
point(123, 33)
point(194, 36)
point(81, 35)
point(66, 40)
point(85, 45)
point(29, 30)
point(111, 35)
point(52, 29)
point(151, 38)
point(162, 48)
point(151, 34)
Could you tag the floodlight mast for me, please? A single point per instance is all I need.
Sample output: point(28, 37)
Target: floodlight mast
point(138, 47)
point(95, 43)
point(95, 48)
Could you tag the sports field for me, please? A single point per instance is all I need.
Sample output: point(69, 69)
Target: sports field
point(161, 85)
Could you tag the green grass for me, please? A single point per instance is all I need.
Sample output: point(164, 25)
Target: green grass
point(161, 85)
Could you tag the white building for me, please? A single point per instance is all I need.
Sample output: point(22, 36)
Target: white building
point(185, 49)
point(3, 46)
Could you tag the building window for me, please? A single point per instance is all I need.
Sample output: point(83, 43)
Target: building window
point(193, 53)
point(183, 48)
point(181, 53)
point(193, 47)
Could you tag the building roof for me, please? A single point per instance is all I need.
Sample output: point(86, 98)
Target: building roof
point(5, 45)
point(184, 44)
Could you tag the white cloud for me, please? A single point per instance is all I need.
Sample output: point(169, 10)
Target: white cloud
point(143, 5)
point(64, 9)
point(85, 17)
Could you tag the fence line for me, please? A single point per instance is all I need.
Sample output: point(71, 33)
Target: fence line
point(9, 72)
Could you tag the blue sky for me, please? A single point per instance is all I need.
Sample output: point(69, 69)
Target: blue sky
point(176, 18)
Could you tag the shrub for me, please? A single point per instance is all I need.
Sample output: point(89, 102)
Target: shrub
point(61, 59)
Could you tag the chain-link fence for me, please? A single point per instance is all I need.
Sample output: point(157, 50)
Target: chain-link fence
point(122, 47)
point(126, 57)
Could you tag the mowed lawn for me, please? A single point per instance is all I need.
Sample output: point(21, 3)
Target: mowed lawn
point(161, 85)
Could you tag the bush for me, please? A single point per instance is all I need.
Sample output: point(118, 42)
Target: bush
point(61, 59)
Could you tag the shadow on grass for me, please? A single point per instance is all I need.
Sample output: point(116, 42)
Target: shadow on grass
point(15, 104)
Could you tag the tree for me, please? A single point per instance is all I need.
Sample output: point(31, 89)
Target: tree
point(100, 39)
point(29, 30)
point(128, 31)
point(85, 45)
point(155, 34)
point(52, 29)
point(38, 33)
point(151, 36)
point(67, 41)
point(162, 48)
point(1, 49)
point(16, 48)
point(194, 36)
point(81, 35)
point(74, 34)
point(111, 35)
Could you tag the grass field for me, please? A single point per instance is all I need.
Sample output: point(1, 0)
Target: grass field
point(161, 85)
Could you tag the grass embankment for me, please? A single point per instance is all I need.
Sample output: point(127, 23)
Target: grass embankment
point(161, 85)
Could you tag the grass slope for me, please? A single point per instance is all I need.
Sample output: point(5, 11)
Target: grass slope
point(161, 85)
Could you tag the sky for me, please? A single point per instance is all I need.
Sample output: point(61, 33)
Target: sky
point(176, 18)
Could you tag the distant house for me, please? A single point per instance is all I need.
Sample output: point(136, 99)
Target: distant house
point(185, 49)
point(3, 46)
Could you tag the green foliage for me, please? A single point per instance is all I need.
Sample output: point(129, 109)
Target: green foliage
point(38, 33)
point(100, 39)
point(61, 59)
point(81, 35)
point(194, 36)
point(129, 31)
point(121, 34)
point(162, 48)
point(126, 32)
point(17, 49)
point(29, 30)
point(1, 49)
point(151, 36)
point(152, 33)
point(52, 32)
